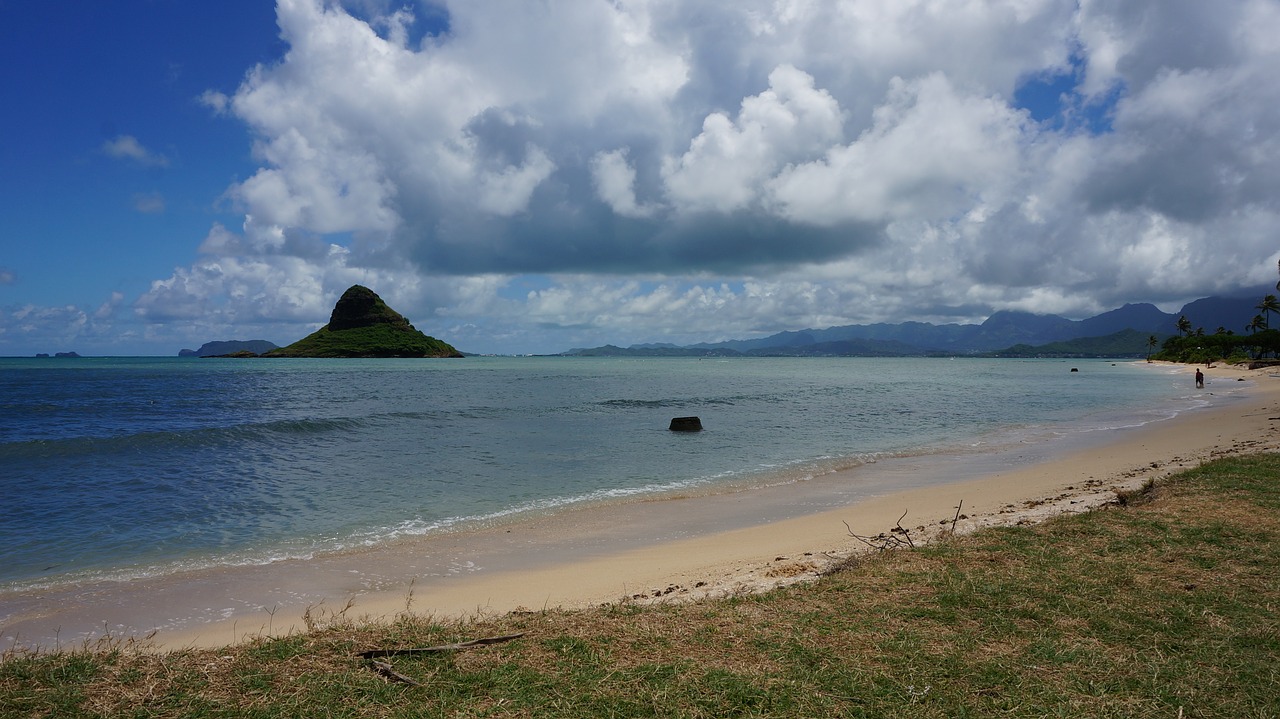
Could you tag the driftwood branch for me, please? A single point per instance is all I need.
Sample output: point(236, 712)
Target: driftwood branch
point(957, 517)
point(386, 670)
point(906, 534)
point(896, 538)
point(441, 648)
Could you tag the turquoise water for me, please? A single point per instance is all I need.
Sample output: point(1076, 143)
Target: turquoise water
point(121, 468)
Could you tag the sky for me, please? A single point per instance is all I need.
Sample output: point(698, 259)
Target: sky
point(528, 177)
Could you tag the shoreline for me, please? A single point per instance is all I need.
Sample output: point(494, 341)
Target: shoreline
point(657, 550)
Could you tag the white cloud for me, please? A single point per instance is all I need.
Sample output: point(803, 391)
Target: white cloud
point(615, 181)
point(216, 101)
point(746, 167)
point(127, 147)
point(932, 152)
point(108, 309)
point(148, 203)
point(729, 161)
point(507, 191)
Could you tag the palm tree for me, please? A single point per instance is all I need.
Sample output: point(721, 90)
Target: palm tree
point(1268, 305)
point(1184, 326)
point(1258, 323)
point(1152, 341)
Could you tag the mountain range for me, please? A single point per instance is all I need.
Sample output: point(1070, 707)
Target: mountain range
point(1001, 331)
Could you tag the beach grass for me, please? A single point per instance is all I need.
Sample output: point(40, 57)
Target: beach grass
point(1164, 605)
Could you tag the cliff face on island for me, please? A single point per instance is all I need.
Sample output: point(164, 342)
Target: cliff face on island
point(362, 325)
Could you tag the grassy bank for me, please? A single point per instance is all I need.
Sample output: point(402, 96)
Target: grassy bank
point(1166, 606)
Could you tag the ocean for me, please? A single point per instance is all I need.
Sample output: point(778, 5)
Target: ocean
point(122, 468)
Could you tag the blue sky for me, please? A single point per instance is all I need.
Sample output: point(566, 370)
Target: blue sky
point(80, 219)
point(534, 177)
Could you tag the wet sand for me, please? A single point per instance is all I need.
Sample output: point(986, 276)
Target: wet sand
point(662, 550)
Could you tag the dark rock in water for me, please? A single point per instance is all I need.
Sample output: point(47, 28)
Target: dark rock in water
point(685, 424)
point(1075, 369)
point(362, 325)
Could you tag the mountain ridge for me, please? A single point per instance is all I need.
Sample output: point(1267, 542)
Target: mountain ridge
point(1002, 331)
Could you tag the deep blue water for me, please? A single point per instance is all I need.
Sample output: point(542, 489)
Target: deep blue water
point(133, 467)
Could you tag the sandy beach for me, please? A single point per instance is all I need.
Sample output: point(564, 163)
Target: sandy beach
point(664, 550)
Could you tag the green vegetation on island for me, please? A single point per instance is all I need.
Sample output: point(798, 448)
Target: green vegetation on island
point(362, 325)
point(1160, 606)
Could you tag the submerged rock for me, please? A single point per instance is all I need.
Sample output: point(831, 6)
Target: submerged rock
point(685, 424)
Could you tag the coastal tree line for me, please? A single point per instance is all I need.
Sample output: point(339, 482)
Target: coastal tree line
point(1196, 346)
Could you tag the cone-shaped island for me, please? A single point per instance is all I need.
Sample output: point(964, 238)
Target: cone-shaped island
point(362, 325)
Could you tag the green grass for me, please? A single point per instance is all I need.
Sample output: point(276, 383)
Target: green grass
point(1167, 606)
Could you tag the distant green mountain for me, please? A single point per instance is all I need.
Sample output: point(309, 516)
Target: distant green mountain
point(650, 351)
point(226, 347)
point(1019, 333)
point(1126, 343)
point(362, 325)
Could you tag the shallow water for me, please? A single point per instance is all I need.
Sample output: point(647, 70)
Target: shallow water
point(121, 468)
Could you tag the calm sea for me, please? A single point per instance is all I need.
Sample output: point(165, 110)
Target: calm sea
point(121, 468)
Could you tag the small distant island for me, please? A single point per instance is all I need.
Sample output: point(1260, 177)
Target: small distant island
point(230, 347)
point(59, 355)
point(361, 325)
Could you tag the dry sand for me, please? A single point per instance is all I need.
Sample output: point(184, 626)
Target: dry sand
point(646, 552)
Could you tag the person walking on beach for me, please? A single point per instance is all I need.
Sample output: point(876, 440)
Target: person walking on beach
point(1199, 379)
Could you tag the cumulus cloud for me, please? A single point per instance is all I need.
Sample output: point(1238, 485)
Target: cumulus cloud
point(746, 167)
point(50, 329)
point(727, 163)
point(930, 153)
point(615, 181)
